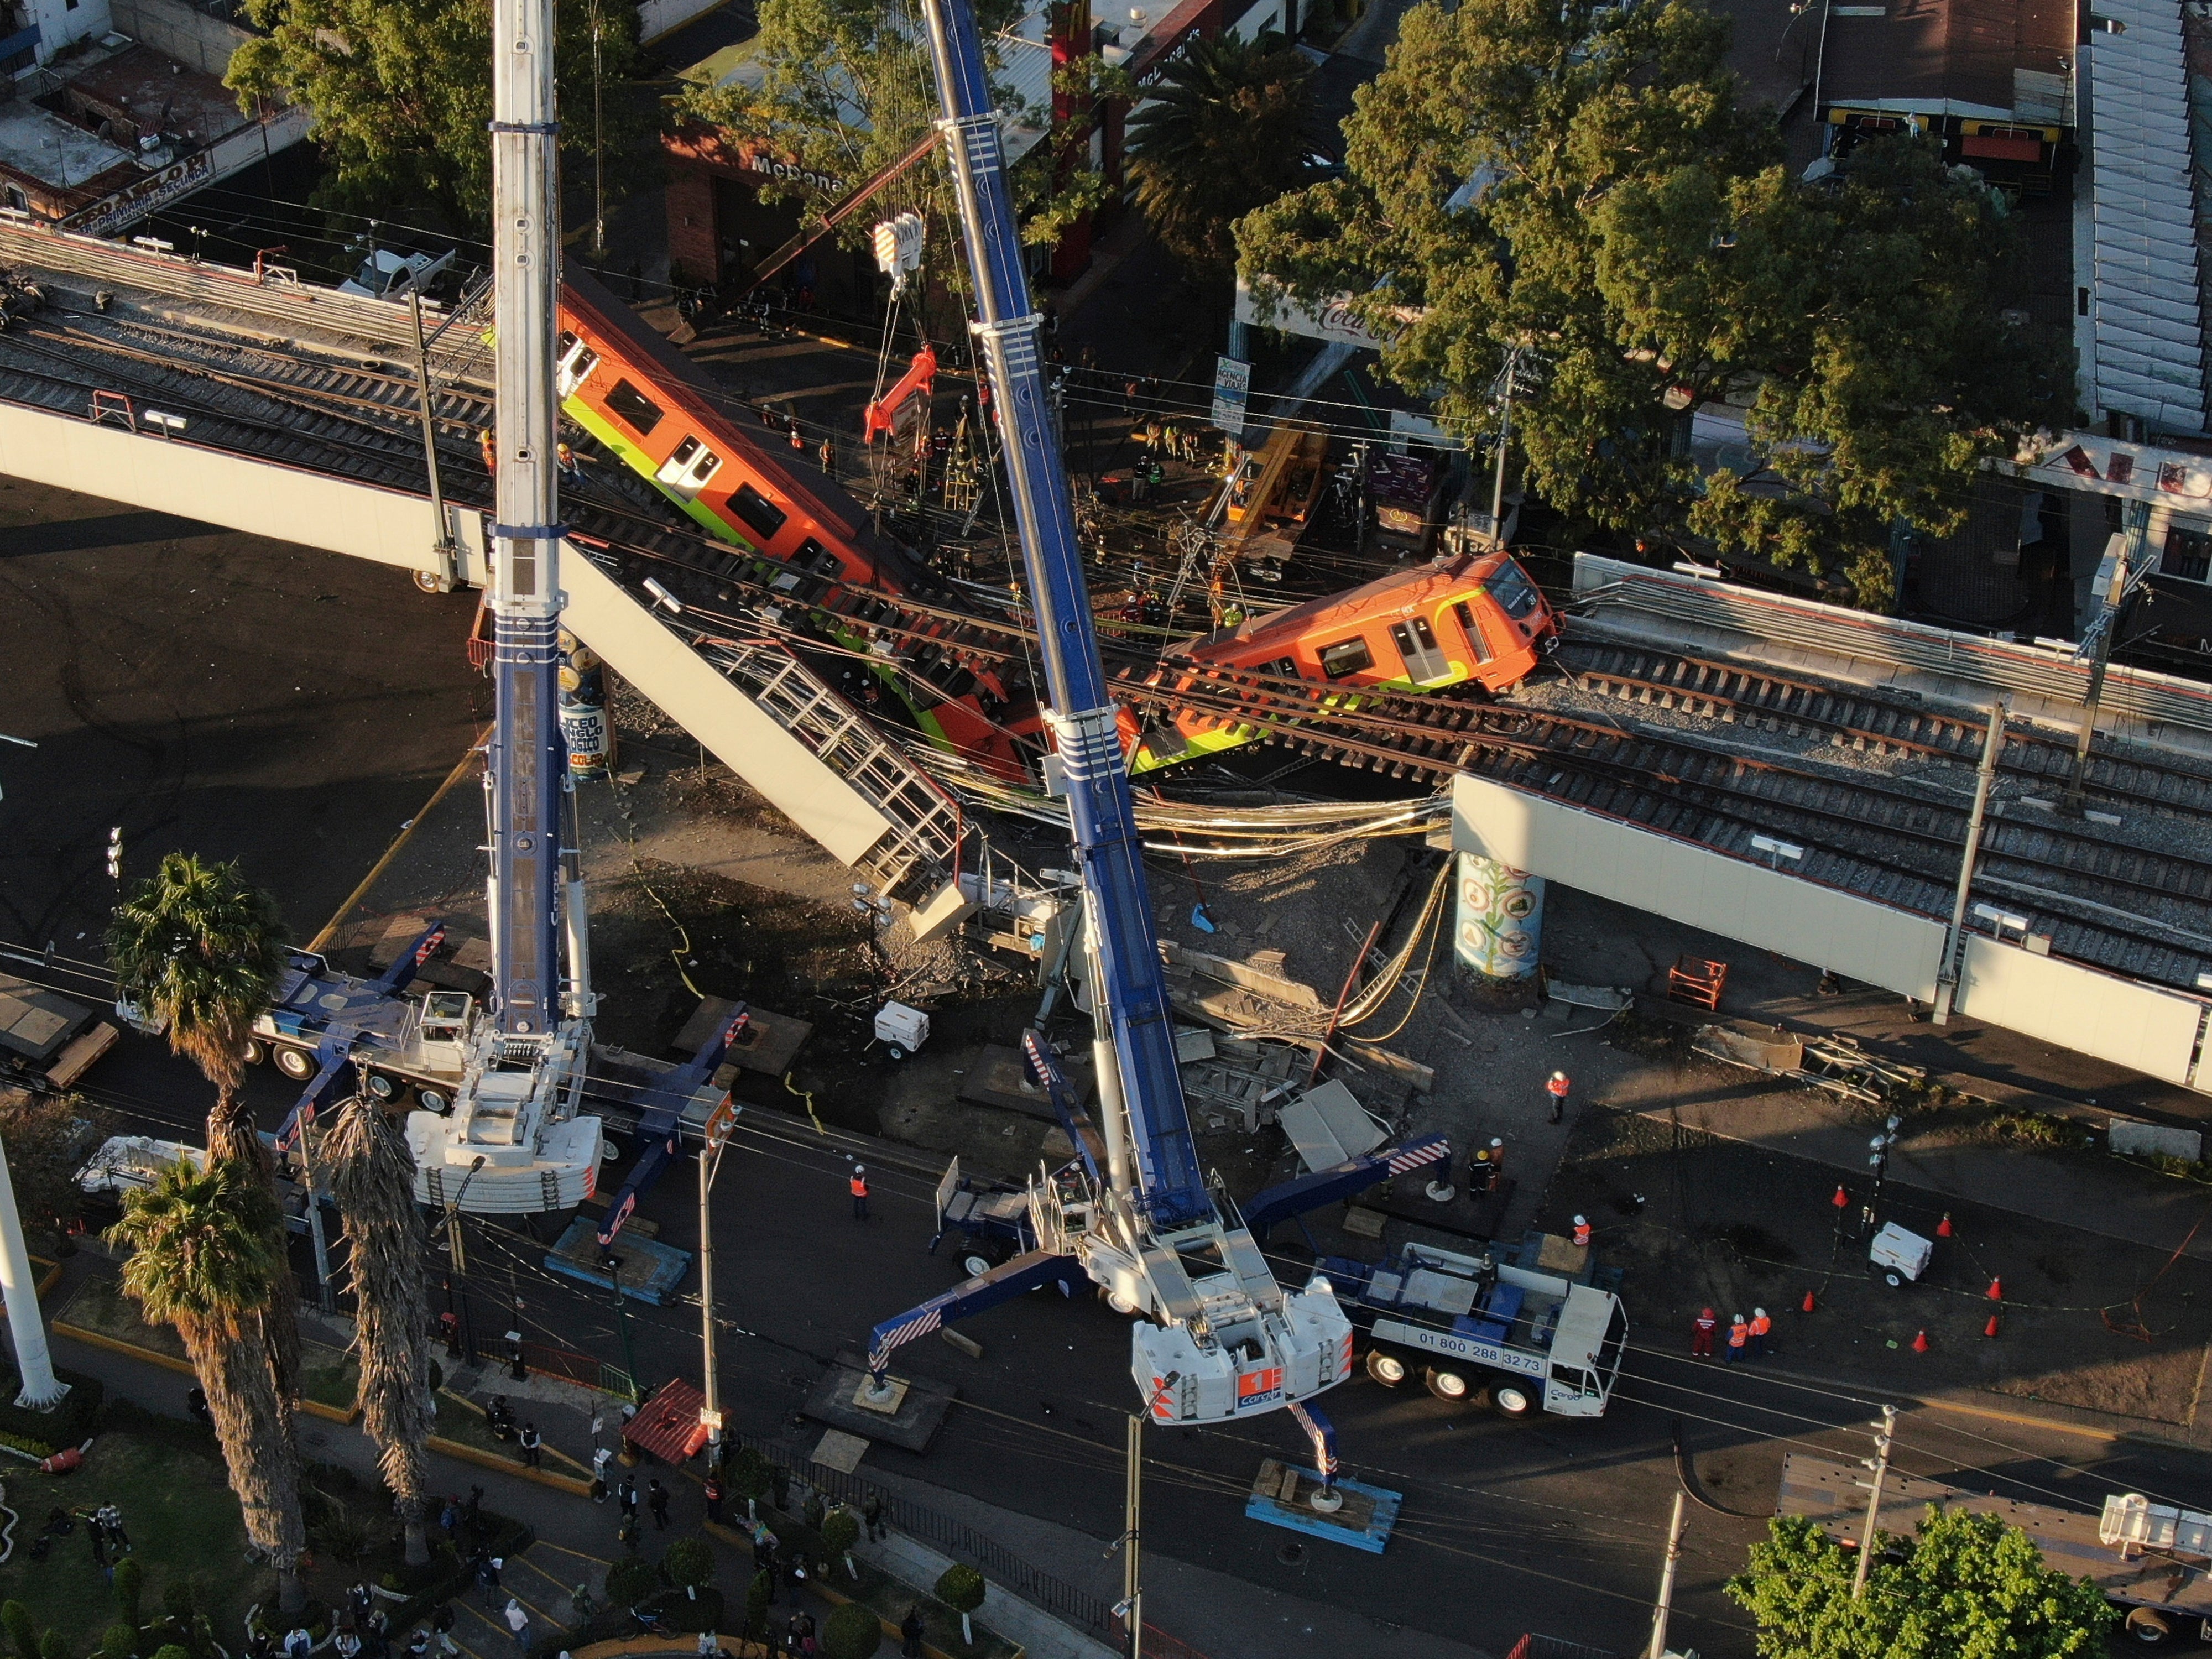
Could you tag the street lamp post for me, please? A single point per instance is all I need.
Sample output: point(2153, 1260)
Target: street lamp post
point(1131, 1607)
point(1878, 1151)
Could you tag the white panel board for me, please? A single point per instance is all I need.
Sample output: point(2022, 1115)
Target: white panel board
point(1852, 936)
point(740, 734)
point(2142, 1027)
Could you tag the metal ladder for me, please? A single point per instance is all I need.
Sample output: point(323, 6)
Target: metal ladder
point(923, 851)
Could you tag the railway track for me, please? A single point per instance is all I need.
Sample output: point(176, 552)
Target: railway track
point(2100, 893)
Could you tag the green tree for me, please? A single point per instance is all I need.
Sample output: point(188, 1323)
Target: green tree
point(749, 1477)
point(688, 1564)
point(846, 89)
point(54, 1646)
point(201, 1263)
point(1219, 137)
point(961, 1589)
point(851, 1632)
point(1578, 182)
point(1961, 1585)
point(401, 92)
point(372, 1175)
point(1867, 316)
point(117, 1641)
point(199, 949)
point(758, 1595)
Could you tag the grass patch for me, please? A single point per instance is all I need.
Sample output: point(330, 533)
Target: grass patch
point(2039, 1132)
point(183, 1521)
point(99, 1306)
point(330, 1377)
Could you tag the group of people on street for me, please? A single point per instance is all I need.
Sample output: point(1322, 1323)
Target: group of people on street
point(1746, 1338)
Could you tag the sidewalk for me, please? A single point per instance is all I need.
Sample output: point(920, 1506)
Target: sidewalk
point(1215, 1615)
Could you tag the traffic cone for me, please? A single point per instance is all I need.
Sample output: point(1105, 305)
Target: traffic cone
point(1809, 1301)
point(1996, 1292)
point(1920, 1343)
point(1943, 1227)
point(1990, 1329)
point(1842, 1198)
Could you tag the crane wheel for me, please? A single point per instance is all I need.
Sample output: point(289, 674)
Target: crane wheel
point(1386, 1368)
point(1511, 1400)
point(383, 1088)
point(256, 1051)
point(1447, 1383)
point(2147, 1627)
point(298, 1064)
point(432, 1100)
point(975, 1263)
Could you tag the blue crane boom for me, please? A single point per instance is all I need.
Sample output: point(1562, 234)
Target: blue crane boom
point(1132, 988)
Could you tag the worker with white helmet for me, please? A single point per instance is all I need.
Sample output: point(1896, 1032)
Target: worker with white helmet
point(860, 1186)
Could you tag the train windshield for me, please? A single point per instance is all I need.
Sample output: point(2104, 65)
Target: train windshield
point(1515, 594)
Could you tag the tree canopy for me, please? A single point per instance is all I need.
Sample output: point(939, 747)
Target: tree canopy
point(401, 92)
point(1219, 137)
point(1580, 181)
point(1963, 1586)
point(843, 89)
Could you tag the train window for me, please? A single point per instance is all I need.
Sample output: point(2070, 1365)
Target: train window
point(1345, 658)
point(1286, 666)
point(1417, 643)
point(760, 515)
point(639, 412)
point(577, 361)
point(1476, 641)
point(1512, 590)
point(688, 467)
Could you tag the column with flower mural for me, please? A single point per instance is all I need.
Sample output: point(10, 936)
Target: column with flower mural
point(1499, 919)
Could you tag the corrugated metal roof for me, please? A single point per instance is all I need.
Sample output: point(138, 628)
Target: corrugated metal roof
point(2146, 310)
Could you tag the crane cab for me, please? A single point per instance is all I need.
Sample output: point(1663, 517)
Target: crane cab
point(1475, 620)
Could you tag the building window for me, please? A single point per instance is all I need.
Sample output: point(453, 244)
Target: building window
point(2188, 555)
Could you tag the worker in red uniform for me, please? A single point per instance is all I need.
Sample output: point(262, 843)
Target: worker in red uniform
point(859, 1185)
point(1701, 1333)
point(1485, 1166)
point(1581, 1231)
point(1739, 1334)
point(1557, 1088)
point(1760, 1325)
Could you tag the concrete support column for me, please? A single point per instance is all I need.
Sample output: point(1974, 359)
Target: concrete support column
point(20, 1283)
point(1498, 920)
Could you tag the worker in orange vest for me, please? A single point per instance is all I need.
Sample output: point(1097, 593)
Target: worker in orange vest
point(1739, 1334)
point(859, 1185)
point(1485, 1166)
point(1760, 1325)
point(1557, 1088)
point(1701, 1333)
point(485, 443)
point(1581, 1231)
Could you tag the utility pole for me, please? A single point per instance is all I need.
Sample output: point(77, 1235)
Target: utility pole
point(1133, 1588)
point(443, 547)
point(710, 1160)
point(2129, 570)
point(1884, 1432)
point(1986, 775)
point(599, 145)
point(34, 1362)
point(1504, 442)
point(1658, 1649)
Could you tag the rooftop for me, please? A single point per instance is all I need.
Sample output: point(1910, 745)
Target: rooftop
point(2141, 344)
point(1994, 59)
point(159, 95)
point(38, 142)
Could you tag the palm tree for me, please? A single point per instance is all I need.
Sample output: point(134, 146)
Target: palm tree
point(1221, 137)
point(201, 1263)
point(373, 1177)
point(199, 949)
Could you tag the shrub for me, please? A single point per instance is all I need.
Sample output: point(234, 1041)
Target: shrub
point(118, 1642)
point(841, 1530)
point(177, 1600)
point(749, 1475)
point(22, 1634)
point(129, 1592)
point(688, 1564)
point(758, 1594)
point(851, 1632)
point(630, 1580)
point(171, 1651)
point(961, 1589)
point(52, 1646)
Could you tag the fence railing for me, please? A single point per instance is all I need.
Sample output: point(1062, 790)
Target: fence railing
point(956, 1539)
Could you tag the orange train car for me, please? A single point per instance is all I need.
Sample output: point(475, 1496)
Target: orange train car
point(651, 406)
point(1475, 619)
